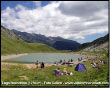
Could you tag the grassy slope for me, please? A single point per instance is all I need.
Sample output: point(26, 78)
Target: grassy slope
point(11, 46)
point(47, 74)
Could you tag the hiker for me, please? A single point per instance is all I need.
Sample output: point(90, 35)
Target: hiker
point(37, 62)
point(42, 65)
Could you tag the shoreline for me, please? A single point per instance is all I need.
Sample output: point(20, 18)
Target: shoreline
point(29, 66)
point(5, 57)
point(33, 66)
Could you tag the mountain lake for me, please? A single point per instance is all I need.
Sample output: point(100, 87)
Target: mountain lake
point(48, 58)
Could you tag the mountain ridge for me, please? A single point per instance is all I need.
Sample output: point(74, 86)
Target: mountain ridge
point(13, 44)
point(58, 43)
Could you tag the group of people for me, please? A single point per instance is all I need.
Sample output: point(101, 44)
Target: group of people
point(58, 73)
point(63, 62)
point(96, 65)
point(42, 65)
point(94, 57)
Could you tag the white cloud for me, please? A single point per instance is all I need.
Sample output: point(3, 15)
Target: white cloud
point(82, 8)
point(71, 20)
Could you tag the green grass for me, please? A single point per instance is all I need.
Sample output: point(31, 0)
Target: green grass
point(12, 73)
point(11, 46)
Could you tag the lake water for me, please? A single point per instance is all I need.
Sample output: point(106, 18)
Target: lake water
point(46, 57)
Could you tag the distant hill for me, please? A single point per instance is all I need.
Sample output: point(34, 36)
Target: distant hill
point(12, 44)
point(99, 44)
point(55, 42)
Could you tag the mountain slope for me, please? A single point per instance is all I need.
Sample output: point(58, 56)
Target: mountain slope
point(99, 44)
point(7, 33)
point(14, 45)
point(55, 42)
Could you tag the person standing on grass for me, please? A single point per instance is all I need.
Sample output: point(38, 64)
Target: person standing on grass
point(37, 62)
point(42, 65)
point(71, 60)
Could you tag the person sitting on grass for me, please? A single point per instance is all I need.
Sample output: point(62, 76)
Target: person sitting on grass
point(93, 64)
point(89, 58)
point(101, 62)
point(96, 66)
point(55, 63)
point(65, 72)
point(64, 62)
point(57, 72)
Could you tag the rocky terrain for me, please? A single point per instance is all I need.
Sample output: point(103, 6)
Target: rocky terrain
point(7, 33)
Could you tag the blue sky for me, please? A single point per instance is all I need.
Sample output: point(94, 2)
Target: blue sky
point(13, 4)
point(70, 20)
